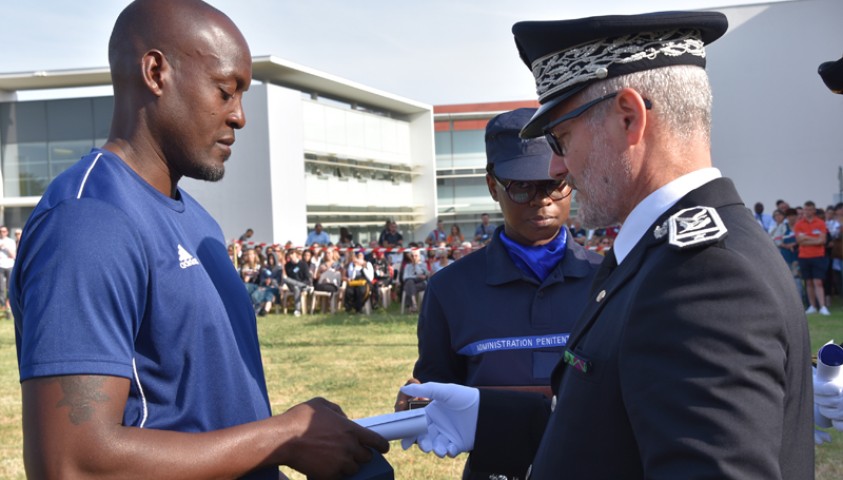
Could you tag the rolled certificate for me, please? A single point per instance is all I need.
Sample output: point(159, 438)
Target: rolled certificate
point(398, 425)
point(829, 360)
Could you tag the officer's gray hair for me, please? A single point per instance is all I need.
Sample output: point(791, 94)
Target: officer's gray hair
point(681, 97)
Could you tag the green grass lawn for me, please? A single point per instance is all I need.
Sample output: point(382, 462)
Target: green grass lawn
point(354, 360)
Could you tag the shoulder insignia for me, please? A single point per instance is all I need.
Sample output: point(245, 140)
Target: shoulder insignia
point(695, 226)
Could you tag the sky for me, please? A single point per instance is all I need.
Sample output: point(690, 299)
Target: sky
point(432, 51)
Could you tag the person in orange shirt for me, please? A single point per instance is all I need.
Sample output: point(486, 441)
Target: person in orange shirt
point(456, 237)
point(811, 235)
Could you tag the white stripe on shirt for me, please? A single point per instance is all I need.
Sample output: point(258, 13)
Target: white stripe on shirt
point(143, 397)
point(88, 172)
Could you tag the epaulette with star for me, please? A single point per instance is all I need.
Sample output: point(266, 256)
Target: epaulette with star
point(692, 228)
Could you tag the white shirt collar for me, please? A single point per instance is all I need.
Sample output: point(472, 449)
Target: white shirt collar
point(651, 208)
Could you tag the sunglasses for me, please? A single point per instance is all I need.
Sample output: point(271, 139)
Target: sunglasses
point(553, 140)
point(523, 191)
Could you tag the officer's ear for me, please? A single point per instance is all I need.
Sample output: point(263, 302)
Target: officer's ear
point(631, 109)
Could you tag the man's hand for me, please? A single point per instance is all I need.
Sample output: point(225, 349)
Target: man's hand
point(451, 418)
point(324, 443)
point(402, 400)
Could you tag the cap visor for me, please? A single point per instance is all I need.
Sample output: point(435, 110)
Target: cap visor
point(832, 75)
point(535, 127)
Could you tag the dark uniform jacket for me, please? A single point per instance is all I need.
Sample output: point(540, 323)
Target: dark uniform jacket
point(687, 363)
point(484, 322)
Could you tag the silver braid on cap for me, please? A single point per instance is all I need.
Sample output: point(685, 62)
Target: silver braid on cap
point(592, 60)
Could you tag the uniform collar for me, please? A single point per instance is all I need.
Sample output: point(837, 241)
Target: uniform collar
point(654, 205)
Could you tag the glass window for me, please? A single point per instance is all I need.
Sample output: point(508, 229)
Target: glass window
point(464, 194)
point(33, 170)
point(6, 122)
point(445, 192)
point(103, 110)
point(41, 139)
point(25, 169)
point(64, 154)
point(444, 155)
point(70, 119)
point(469, 148)
point(473, 191)
point(24, 122)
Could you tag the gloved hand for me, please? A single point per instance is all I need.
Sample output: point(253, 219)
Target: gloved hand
point(828, 387)
point(820, 421)
point(451, 418)
point(821, 437)
point(828, 396)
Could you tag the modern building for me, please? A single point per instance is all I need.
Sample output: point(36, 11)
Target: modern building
point(461, 187)
point(316, 148)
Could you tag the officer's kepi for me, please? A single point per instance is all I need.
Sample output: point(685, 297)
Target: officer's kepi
point(832, 75)
point(566, 56)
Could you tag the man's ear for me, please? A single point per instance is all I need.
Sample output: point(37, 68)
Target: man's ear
point(154, 68)
point(492, 185)
point(629, 104)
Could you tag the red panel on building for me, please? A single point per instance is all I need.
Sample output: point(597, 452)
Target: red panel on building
point(485, 107)
point(444, 125)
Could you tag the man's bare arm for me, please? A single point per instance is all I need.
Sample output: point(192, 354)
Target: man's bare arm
point(73, 429)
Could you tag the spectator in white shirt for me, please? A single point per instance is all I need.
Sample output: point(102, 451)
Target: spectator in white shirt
point(414, 279)
point(7, 261)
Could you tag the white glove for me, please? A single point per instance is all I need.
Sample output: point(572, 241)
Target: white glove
point(828, 397)
point(821, 437)
point(451, 418)
point(828, 389)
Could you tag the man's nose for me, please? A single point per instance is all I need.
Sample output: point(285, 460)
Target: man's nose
point(558, 168)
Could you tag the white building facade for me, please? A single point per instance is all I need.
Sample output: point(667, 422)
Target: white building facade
point(316, 148)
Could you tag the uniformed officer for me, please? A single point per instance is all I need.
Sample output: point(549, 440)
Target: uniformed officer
point(501, 316)
point(828, 390)
point(692, 358)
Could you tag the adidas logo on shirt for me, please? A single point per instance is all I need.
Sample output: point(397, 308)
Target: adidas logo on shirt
point(186, 259)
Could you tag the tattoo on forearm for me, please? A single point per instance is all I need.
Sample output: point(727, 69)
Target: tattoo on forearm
point(80, 395)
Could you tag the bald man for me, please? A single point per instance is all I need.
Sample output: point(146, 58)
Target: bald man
point(138, 353)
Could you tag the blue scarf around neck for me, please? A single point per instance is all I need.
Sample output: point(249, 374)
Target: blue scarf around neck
point(537, 261)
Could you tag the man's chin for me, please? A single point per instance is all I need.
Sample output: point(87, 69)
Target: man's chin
point(208, 174)
point(592, 220)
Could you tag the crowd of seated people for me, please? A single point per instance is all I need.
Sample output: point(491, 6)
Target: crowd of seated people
point(274, 274)
point(361, 278)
